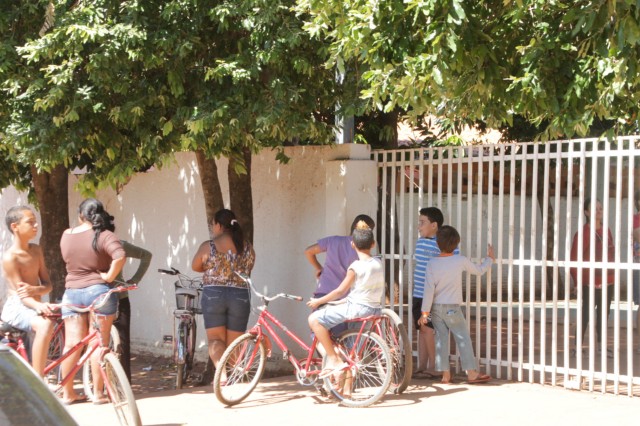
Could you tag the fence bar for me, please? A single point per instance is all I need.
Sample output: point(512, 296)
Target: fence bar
point(489, 311)
point(499, 262)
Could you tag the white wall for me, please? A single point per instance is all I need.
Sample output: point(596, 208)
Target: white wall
point(294, 205)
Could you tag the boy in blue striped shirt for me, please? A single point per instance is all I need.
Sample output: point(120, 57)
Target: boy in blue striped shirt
point(430, 220)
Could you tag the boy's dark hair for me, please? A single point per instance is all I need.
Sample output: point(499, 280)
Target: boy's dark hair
point(15, 214)
point(362, 236)
point(448, 239)
point(434, 214)
point(364, 218)
point(636, 198)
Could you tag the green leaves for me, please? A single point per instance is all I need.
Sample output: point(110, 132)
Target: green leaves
point(562, 63)
point(117, 86)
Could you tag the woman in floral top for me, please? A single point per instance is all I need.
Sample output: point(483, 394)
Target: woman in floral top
point(225, 299)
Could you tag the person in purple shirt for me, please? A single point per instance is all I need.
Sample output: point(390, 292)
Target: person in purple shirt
point(338, 256)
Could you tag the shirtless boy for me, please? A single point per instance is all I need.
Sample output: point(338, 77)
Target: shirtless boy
point(27, 281)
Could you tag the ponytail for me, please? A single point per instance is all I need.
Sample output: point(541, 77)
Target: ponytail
point(93, 211)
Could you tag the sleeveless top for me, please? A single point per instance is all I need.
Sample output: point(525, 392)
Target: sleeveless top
point(220, 267)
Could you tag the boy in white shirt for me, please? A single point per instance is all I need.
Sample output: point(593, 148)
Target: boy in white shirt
point(365, 279)
point(442, 299)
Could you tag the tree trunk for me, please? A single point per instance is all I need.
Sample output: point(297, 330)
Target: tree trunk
point(210, 184)
point(240, 194)
point(52, 195)
point(389, 121)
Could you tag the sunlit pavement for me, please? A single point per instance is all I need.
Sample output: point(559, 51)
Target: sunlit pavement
point(282, 401)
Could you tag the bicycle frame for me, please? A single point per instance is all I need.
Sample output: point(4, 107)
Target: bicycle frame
point(265, 321)
point(181, 316)
point(88, 341)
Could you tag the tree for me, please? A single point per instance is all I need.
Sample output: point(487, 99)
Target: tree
point(117, 87)
point(564, 64)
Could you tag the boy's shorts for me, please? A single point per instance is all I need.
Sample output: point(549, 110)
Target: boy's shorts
point(416, 312)
point(18, 315)
point(333, 315)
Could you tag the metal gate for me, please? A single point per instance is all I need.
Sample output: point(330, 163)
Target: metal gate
point(526, 199)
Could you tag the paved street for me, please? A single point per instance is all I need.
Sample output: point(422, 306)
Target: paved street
point(282, 401)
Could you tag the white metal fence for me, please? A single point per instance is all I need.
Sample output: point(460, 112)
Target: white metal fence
point(526, 199)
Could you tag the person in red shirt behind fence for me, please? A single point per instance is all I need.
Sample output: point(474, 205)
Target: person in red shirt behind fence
point(598, 278)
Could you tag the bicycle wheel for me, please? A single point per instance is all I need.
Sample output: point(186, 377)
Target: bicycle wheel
point(87, 379)
point(368, 381)
point(395, 334)
point(56, 348)
point(240, 369)
point(120, 392)
point(180, 356)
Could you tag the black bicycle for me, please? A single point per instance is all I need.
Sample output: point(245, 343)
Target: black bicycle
point(188, 290)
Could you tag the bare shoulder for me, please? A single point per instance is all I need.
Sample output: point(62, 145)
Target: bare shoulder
point(205, 245)
point(9, 257)
point(35, 250)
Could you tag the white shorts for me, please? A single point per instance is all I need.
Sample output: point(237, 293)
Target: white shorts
point(332, 315)
point(16, 314)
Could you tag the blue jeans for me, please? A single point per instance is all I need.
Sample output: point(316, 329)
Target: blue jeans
point(449, 318)
point(226, 306)
point(83, 297)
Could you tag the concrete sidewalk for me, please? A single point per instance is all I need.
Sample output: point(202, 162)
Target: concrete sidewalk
point(282, 401)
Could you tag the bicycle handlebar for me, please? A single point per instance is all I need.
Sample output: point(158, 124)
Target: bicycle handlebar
point(184, 281)
point(247, 279)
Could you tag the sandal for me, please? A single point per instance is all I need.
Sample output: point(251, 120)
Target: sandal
point(77, 400)
point(480, 378)
point(330, 371)
point(421, 375)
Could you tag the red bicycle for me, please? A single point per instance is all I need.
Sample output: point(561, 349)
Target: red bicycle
point(116, 385)
point(364, 379)
point(17, 340)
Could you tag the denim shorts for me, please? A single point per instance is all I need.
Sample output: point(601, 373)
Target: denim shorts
point(332, 315)
point(83, 297)
point(18, 315)
point(224, 306)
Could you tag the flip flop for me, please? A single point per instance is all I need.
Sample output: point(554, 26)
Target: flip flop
point(419, 375)
point(101, 401)
point(482, 378)
point(329, 371)
point(78, 400)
